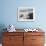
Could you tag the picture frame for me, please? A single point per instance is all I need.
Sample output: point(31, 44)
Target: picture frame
point(26, 14)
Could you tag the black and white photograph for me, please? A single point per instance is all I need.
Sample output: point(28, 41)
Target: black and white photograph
point(26, 14)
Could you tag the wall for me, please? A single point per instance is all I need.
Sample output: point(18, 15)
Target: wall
point(9, 13)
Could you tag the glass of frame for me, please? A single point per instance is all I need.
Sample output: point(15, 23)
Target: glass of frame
point(26, 14)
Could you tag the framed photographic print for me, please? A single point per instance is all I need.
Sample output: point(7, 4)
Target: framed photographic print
point(26, 14)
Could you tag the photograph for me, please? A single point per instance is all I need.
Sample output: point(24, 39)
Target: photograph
point(26, 14)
